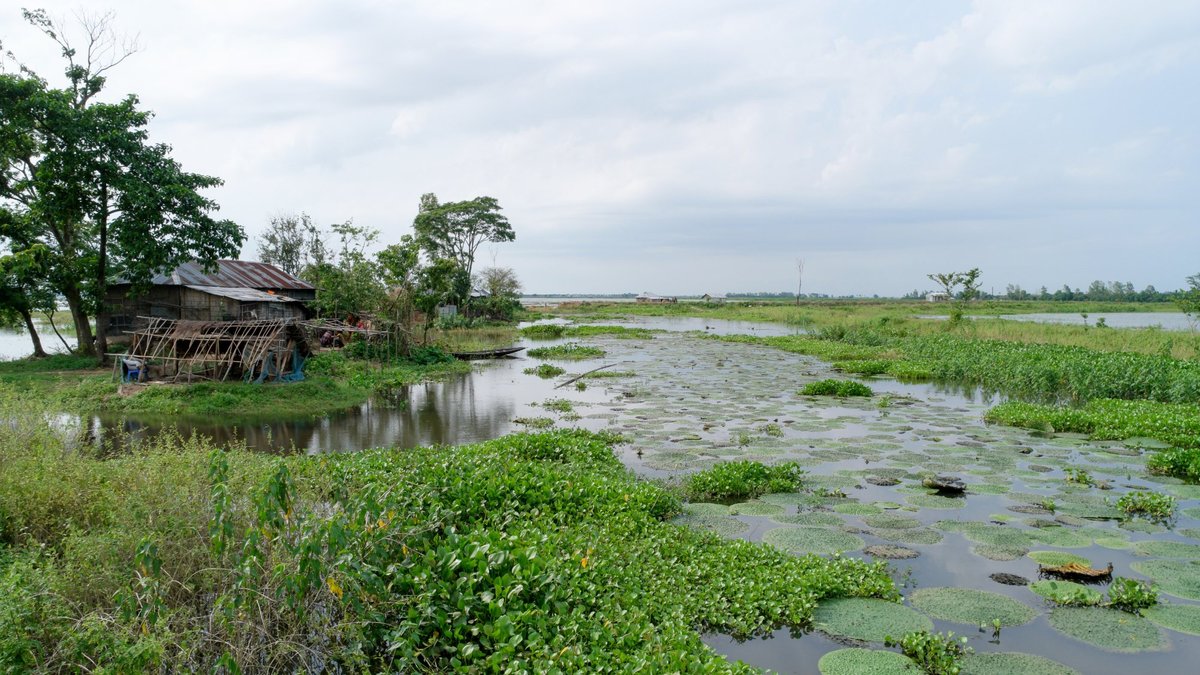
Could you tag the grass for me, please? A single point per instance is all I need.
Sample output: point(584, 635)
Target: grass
point(535, 552)
point(479, 339)
point(1174, 423)
point(740, 480)
point(841, 388)
point(571, 351)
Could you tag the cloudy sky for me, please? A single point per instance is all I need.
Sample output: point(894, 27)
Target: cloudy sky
point(698, 146)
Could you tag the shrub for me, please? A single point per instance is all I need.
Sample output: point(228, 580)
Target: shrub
point(743, 479)
point(543, 331)
point(1152, 505)
point(571, 351)
point(934, 653)
point(1131, 595)
point(545, 371)
point(1181, 463)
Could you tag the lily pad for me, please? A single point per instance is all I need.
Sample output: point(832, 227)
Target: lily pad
point(1180, 578)
point(1007, 663)
point(725, 526)
point(868, 619)
point(1108, 629)
point(999, 553)
point(908, 535)
point(1049, 588)
point(1179, 618)
point(927, 501)
point(857, 509)
point(890, 552)
point(812, 518)
point(1167, 549)
point(706, 509)
point(812, 540)
point(891, 521)
point(967, 605)
point(755, 508)
point(1057, 558)
point(855, 661)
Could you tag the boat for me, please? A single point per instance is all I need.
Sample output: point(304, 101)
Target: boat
point(487, 354)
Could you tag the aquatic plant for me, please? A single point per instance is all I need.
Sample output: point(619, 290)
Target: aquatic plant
point(543, 331)
point(1176, 617)
point(967, 605)
point(535, 422)
point(1079, 477)
point(1180, 578)
point(1007, 663)
point(545, 371)
point(558, 405)
point(1106, 629)
point(1106, 419)
point(820, 540)
point(867, 619)
point(844, 388)
point(1067, 593)
point(742, 479)
point(856, 661)
point(571, 351)
point(1152, 505)
point(1178, 462)
point(1056, 558)
point(1131, 595)
point(934, 653)
point(623, 332)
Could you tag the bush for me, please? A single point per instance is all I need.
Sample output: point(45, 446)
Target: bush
point(934, 653)
point(1178, 462)
point(1152, 505)
point(543, 331)
point(1131, 595)
point(836, 388)
point(742, 479)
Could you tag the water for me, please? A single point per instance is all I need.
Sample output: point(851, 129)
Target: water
point(16, 344)
point(1164, 320)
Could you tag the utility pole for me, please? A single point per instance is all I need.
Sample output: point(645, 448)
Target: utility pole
point(800, 278)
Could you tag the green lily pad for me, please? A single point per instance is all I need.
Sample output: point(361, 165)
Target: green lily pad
point(999, 553)
point(1179, 618)
point(755, 508)
point(812, 540)
point(1010, 663)
point(1049, 588)
point(1108, 629)
point(1167, 549)
point(856, 661)
point(1180, 578)
point(1056, 558)
point(927, 501)
point(725, 526)
point(868, 619)
point(857, 509)
point(967, 605)
point(908, 535)
point(706, 509)
point(891, 521)
point(812, 518)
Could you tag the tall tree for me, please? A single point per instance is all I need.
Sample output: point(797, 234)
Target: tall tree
point(105, 201)
point(285, 242)
point(456, 230)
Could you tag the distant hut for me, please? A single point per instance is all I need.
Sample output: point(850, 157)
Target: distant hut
point(937, 296)
point(236, 290)
point(714, 299)
point(646, 297)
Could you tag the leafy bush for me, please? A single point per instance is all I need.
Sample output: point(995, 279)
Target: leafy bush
point(571, 351)
point(545, 371)
point(1152, 505)
point(1181, 463)
point(1107, 419)
point(743, 479)
point(836, 388)
point(934, 653)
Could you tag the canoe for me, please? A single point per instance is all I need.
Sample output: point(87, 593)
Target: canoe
point(487, 354)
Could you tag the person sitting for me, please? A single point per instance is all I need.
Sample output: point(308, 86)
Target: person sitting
point(134, 370)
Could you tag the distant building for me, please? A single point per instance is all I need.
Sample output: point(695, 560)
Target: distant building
point(937, 296)
point(652, 298)
point(235, 290)
point(716, 299)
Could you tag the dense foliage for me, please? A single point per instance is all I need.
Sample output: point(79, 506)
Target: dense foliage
point(742, 479)
point(1174, 423)
point(934, 653)
point(531, 553)
point(836, 388)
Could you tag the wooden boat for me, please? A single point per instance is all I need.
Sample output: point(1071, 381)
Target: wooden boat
point(487, 354)
point(1077, 572)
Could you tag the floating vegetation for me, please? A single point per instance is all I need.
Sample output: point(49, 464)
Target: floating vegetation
point(742, 479)
point(1008, 579)
point(1167, 549)
point(968, 605)
point(623, 332)
point(726, 526)
point(1067, 593)
point(891, 521)
point(909, 535)
point(1176, 424)
point(812, 540)
point(543, 331)
point(558, 405)
point(545, 371)
point(868, 619)
point(535, 422)
point(1109, 630)
point(755, 508)
point(1153, 505)
point(1179, 618)
point(706, 509)
point(927, 501)
point(1008, 663)
point(856, 661)
point(812, 519)
point(1178, 462)
point(998, 553)
point(571, 351)
point(857, 509)
point(890, 552)
point(1058, 558)
point(1180, 578)
point(844, 388)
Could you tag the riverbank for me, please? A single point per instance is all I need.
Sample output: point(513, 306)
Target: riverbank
point(497, 555)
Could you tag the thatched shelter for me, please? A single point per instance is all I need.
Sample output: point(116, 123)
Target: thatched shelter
point(252, 351)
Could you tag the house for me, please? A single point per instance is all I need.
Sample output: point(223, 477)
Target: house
point(937, 296)
point(234, 290)
point(652, 298)
point(714, 299)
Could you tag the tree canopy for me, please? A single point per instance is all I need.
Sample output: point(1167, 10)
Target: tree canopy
point(456, 230)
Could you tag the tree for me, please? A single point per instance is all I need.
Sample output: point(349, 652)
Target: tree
point(501, 290)
point(285, 243)
point(948, 281)
point(456, 230)
point(103, 200)
point(346, 280)
point(1188, 300)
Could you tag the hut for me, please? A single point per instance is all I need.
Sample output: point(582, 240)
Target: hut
point(272, 350)
point(236, 290)
point(647, 297)
point(713, 299)
point(937, 296)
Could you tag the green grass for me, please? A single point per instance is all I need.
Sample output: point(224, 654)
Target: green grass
point(535, 552)
point(742, 479)
point(571, 351)
point(836, 388)
point(1174, 423)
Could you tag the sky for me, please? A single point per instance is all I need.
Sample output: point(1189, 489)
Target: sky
point(696, 146)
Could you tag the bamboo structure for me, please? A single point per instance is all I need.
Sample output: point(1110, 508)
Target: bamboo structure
point(252, 351)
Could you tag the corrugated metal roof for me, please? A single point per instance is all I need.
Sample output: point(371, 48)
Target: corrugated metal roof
point(242, 294)
point(231, 274)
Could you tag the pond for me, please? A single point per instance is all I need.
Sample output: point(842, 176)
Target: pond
point(686, 402)
point(16, 344)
